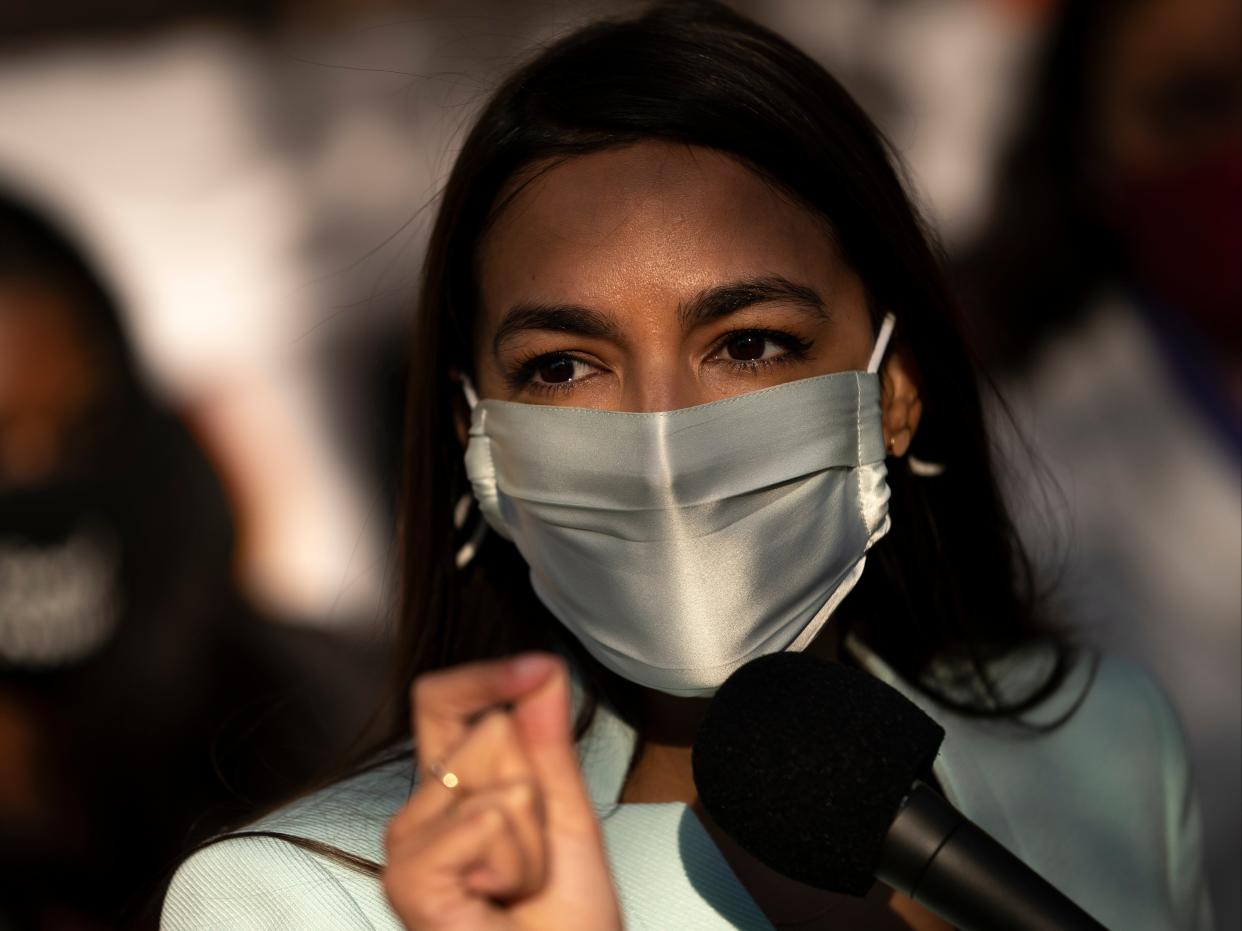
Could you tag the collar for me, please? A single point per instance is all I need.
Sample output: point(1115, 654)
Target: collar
point(605, 751)
point(669, 873)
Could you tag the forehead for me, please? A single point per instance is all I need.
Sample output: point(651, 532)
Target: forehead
point(651, 219)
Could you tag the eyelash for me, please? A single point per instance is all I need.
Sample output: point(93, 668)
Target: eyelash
point(796, 348)
point(523, 372)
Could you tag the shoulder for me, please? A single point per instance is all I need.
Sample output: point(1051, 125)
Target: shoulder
point(353, 813)
point(1105, 764)
point(260, 882)
point(269, 875)
point(1108, 732)
point(1103, 704)
point(1131, 731)
point(1097, 695)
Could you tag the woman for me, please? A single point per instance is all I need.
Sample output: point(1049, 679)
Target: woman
point(659, 278)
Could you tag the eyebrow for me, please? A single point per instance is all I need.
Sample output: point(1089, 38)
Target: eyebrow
point(706, 306)
point(563, 318)
point(729, 298)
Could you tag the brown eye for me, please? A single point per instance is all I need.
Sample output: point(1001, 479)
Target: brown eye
point(746, 347)
point(557, 371)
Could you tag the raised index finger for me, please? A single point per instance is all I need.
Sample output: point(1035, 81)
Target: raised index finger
point(446, 702)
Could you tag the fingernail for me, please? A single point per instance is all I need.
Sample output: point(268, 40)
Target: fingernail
point(532, 665)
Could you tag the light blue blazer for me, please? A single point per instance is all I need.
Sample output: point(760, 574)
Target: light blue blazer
point(1103, 807)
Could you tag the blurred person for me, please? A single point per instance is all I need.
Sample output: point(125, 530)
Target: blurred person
point(660, 423)
point(141, 700)
point(1107, 294)
point(197, 200)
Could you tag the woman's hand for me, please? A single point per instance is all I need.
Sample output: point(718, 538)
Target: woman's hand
point(515, 845)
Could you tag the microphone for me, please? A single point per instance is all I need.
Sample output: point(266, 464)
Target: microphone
point(814, 769)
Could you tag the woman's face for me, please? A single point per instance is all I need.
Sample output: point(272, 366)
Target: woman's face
point(660, 276)
point(1169, 88)
point(54, 381)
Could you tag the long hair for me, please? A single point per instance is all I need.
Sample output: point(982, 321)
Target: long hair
point(950, 579)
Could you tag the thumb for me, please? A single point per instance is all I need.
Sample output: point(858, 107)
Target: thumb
point(542, 718)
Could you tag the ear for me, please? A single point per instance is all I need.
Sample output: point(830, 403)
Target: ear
point(899, 400)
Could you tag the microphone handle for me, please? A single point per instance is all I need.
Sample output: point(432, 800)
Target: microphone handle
point(947, 864)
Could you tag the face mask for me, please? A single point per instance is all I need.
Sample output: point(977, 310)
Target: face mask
point(60, 556)
point(677, 546)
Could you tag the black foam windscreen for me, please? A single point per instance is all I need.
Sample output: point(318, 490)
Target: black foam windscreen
point(805, 763)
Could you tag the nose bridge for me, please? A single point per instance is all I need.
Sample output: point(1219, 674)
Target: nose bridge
point(663, 383)
point(659, 374)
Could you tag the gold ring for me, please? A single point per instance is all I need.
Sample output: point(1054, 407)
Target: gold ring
point(445, 777)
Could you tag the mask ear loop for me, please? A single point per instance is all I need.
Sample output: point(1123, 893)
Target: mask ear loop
point(461, 511)
point(919, 467)
point(881, 343)
point(467, 388)
point(924, 469)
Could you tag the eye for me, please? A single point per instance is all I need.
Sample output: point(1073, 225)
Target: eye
point(753, 349)
point(552, 371)
point(556, 371)
point(749, 347)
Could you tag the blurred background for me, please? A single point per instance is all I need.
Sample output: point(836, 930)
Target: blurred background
point(212, 216)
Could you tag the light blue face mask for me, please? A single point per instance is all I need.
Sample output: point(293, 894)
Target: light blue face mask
point(678, 545)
